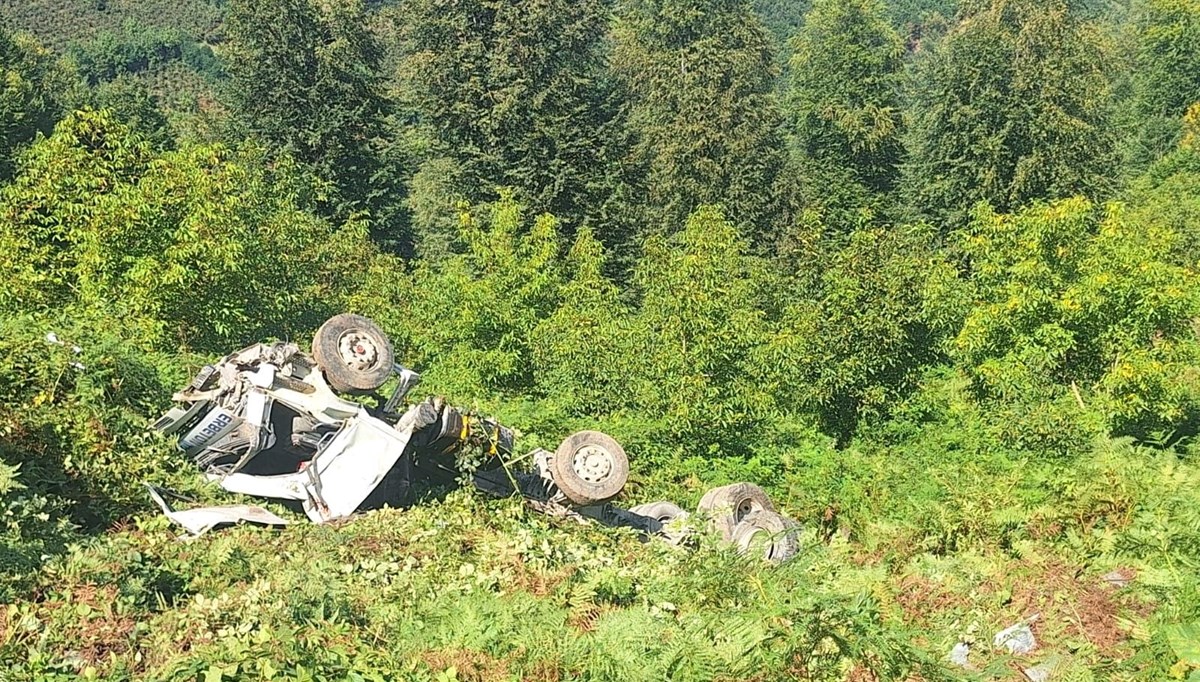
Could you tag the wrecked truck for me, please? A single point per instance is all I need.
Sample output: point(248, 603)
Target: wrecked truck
point(268, 421)
point(274, 421)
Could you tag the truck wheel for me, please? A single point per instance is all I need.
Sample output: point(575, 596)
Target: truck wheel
point(354, 353)
point(772, 535)
point(663, 512)
point(589, 467)
point(727, 505)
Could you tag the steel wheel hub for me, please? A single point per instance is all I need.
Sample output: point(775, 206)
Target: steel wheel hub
point(593, 463)
point(357, 350)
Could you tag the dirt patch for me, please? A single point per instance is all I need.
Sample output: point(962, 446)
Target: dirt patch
point(471, 666)
point(1087, 607)
point(861, 674)
point(920, 597)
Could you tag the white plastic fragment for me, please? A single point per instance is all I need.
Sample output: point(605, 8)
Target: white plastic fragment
point(1017, 639)
point(960, 655)
point(1045, 670)
point(203, 519)
point(1038, 673)
point(1117, 578)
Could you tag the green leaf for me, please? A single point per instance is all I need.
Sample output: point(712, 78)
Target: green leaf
point(1185, 642)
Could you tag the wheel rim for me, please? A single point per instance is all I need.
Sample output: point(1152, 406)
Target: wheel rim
point(358, 350)
point(593, 463)
point(757, 541)
point(743, 508)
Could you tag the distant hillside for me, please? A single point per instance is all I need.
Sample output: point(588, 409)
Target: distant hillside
point(167, 43)
point(58, 23)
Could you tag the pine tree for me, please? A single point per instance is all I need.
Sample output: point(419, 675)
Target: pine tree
point(305, 80)
point(1166, 78)
point(1009, 108)
point(511, 94)
point(700, 84)
point(845, 99)
point(783, 18)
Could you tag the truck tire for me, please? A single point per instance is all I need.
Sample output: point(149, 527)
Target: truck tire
point(355, 354)
point(773, 535)
point(663, 512)
point(727, 505)
point(589, 467)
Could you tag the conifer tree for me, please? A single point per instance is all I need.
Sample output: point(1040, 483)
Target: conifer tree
point(845, 98)
point(1009, 108)
point(305, 80)
point(511, 94)
point(700, 85)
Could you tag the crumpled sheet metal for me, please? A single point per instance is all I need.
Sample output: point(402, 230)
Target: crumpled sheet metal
point(1018, 639)
point(203, 519)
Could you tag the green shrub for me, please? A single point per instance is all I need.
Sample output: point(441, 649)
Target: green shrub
point(204, 247)
point(1081, 302)
point(76, 422)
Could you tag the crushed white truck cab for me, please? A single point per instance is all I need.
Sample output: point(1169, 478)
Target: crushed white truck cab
point(266, 421)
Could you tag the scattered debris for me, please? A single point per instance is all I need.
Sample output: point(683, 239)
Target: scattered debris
point(1017, 639)
point(960, 655)
point(203, 519)
point(1118, 578)
point(53, 339)
point(268, 421)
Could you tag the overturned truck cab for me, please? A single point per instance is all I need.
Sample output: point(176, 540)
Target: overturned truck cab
point(268, 421)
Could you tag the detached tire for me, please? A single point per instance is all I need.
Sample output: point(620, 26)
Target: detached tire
point(774, 536)
point(729, 504)
point(589, 467)
point(663, 512)
point(355, 354)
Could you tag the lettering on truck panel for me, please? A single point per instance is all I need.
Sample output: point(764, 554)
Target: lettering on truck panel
point(208, 432)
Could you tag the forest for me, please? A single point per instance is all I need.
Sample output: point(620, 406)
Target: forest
point(928, 271)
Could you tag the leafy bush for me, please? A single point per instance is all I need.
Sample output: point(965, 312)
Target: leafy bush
point(134, 49)
point(204, 247)
point(75, 421)
point(699, 325)
point(866, 316)
point(1082, 301)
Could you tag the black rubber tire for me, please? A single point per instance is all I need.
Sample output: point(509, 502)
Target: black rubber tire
point(780, 536)
point(727, 505)
point(340, 375)
point(662, 511)
point(578, 490)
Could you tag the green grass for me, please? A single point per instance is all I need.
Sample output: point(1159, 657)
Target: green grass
point(474, 589)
